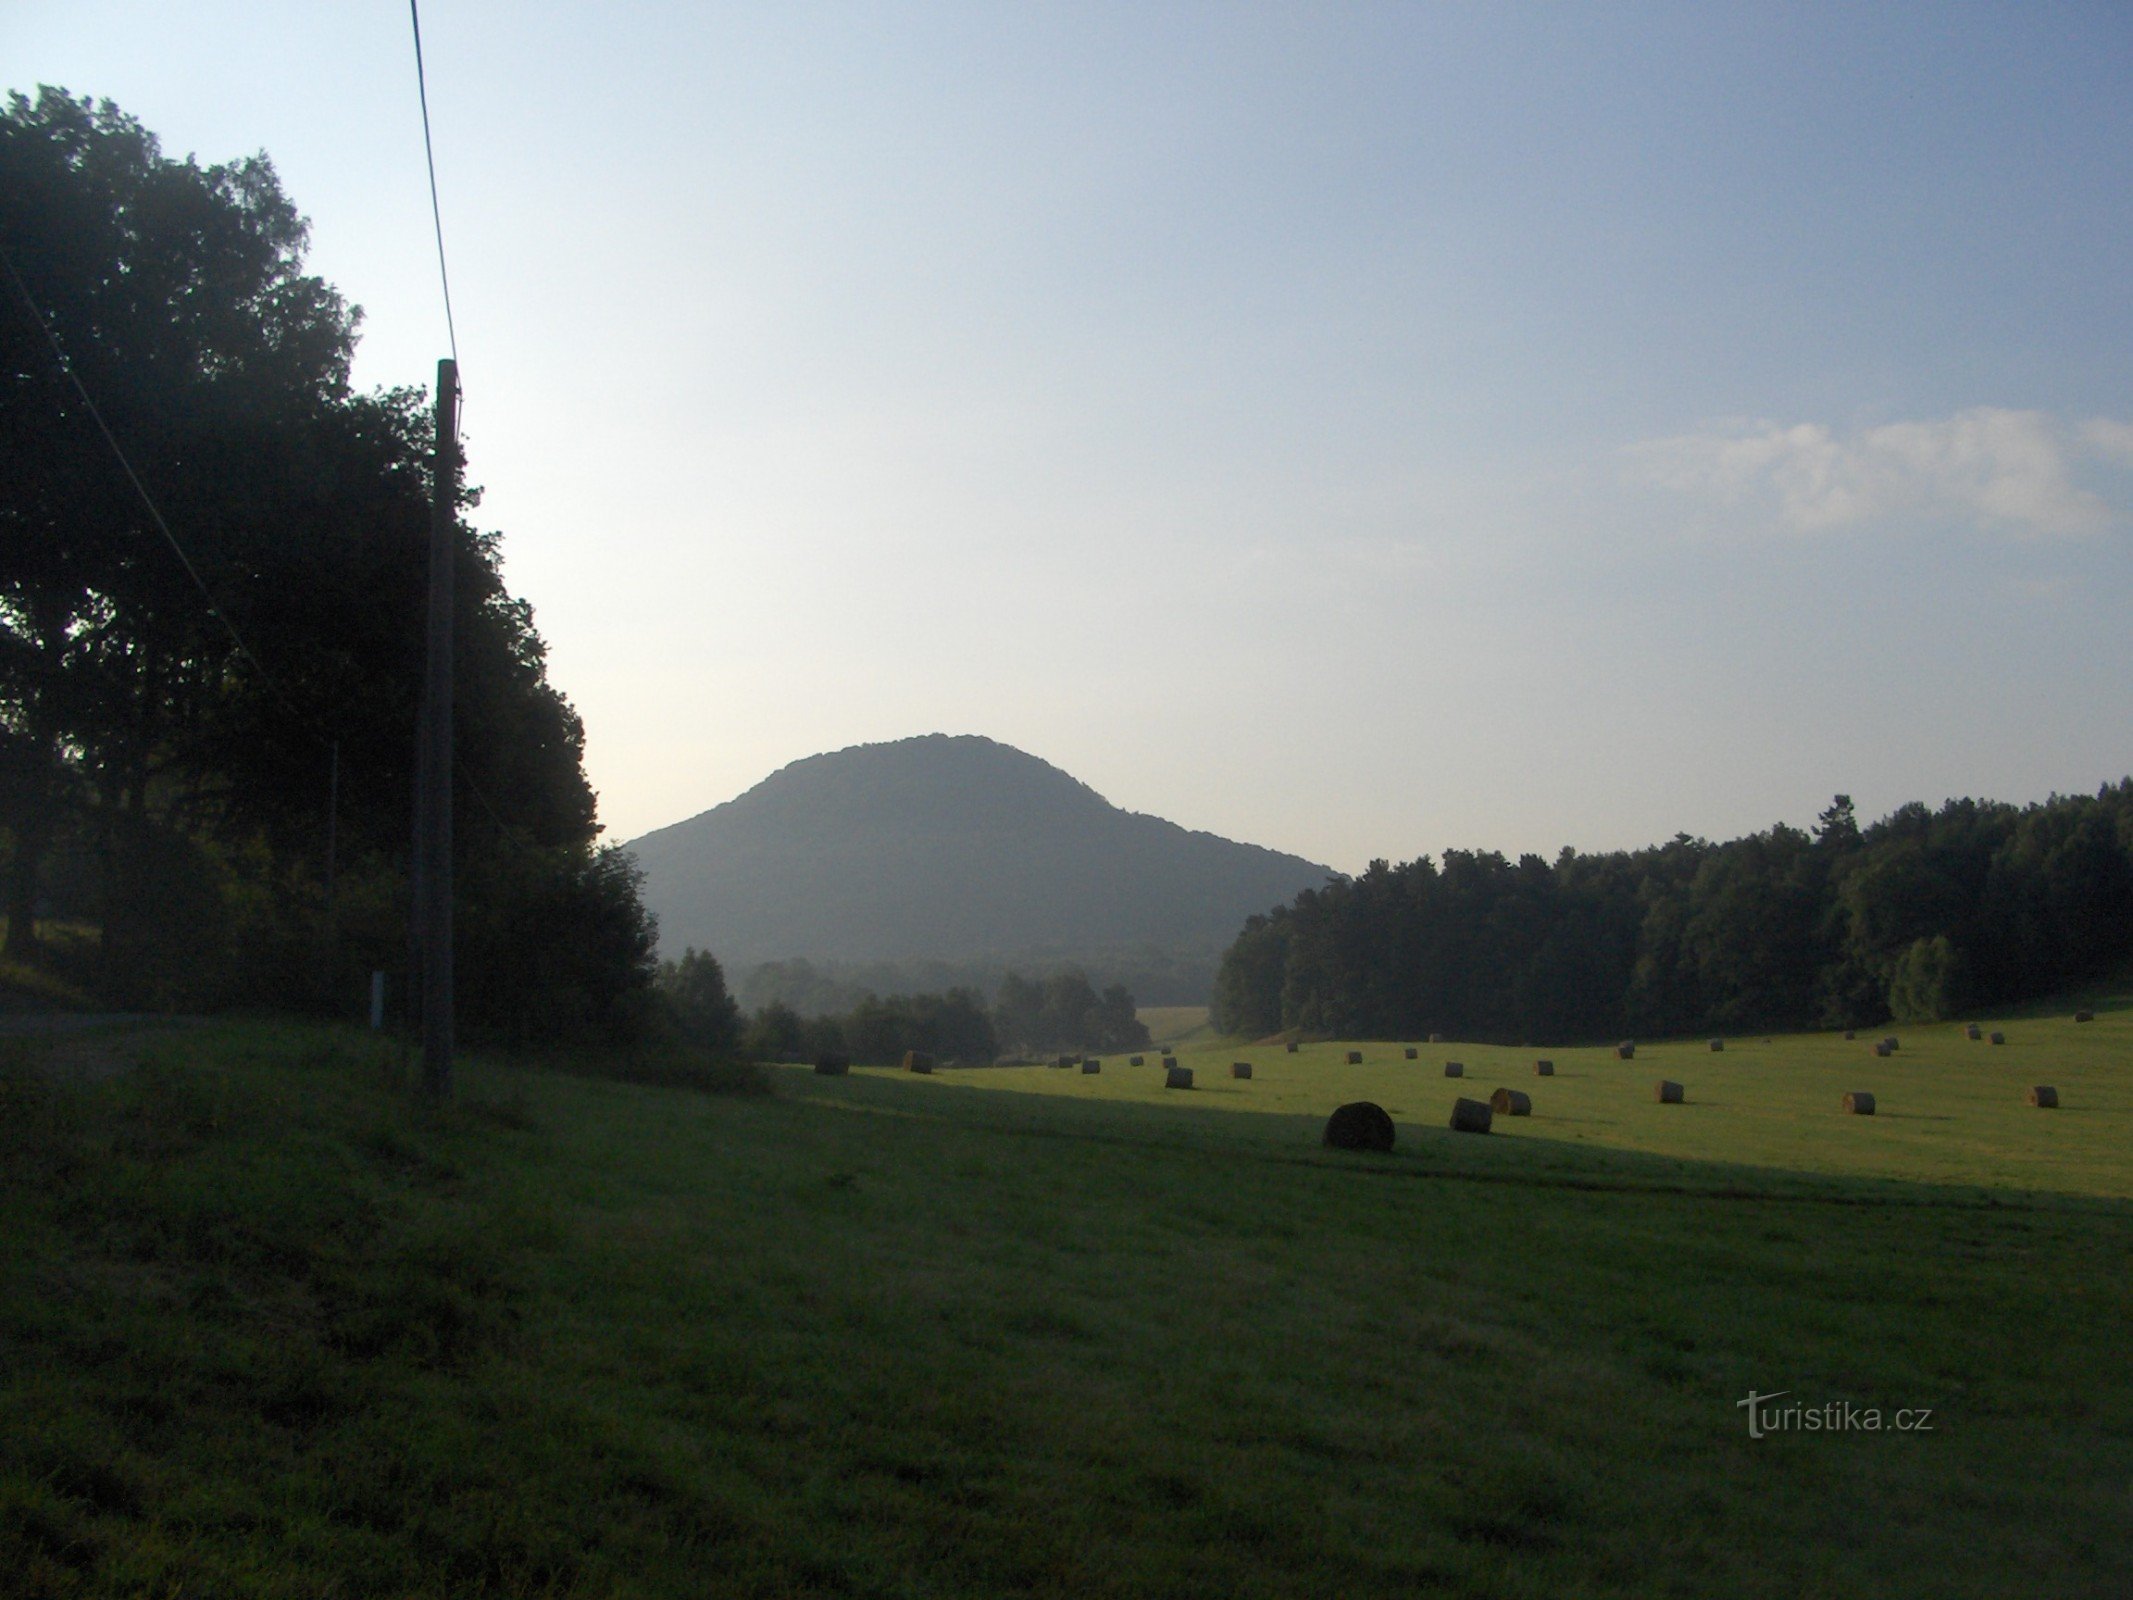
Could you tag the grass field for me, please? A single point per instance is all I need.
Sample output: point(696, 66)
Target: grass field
point(267, 1328)
point(1176, 1024)
point(1948, 1111)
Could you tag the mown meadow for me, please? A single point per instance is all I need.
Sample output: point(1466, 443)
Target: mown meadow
point(267, 1326)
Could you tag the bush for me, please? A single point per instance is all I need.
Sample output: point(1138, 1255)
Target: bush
point(1927, 983)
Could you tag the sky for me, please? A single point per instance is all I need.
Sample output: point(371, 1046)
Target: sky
point(1357, 429)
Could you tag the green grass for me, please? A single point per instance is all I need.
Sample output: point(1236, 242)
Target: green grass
point(1177, 1024)
point(1948, 1111)
point(266, 1327)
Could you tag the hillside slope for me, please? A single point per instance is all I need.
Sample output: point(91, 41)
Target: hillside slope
point(953, 848)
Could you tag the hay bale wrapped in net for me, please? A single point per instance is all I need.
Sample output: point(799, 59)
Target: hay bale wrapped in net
point(1359, 1125)
point(2044, 1095)
point(1177, 1077)
point(1998, 1037)
point(1881, 1047)
point(1290, 1047)
point(832, 1065)
point(1355, 1058)
point(2084, 1016)
point(1511, 1103)
point(1718, 1044)
point(1455, 1069)
point(1544, 1068)
point(1626, 1050)
point(1138, 1061)
point(1667, 1092)
point(1240, 1069)
point(917, 1061)
point(1410, 1052)
point(1859, 1103)
point(1471, 1116)
point(1091, 1065)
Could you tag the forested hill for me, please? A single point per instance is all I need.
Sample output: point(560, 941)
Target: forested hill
point(952, 848)
point(1922, 916)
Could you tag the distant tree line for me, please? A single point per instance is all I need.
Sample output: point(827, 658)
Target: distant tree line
point(1923, 915)
point(1062, 1012)
point(215, 790)
point(1155, 976)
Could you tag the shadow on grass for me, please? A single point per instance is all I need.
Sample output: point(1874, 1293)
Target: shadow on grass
point(1424, 1152)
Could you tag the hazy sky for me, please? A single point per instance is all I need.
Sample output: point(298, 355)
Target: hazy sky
point(1358, 430)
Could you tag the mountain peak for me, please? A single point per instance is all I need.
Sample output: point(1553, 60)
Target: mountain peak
point(950, 847)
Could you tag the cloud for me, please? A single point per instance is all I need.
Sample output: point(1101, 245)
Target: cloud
point(2111, 440)
point(1988, 468)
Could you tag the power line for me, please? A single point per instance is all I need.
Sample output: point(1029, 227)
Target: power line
point(422, 90)
point(177, 549)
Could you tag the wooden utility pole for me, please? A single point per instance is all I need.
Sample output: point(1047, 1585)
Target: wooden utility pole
point(433, 796)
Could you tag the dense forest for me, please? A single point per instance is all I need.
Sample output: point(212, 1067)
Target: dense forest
point(1923, 915)
point(207, 739)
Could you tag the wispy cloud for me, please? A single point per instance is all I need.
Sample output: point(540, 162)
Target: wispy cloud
point(1988, 467)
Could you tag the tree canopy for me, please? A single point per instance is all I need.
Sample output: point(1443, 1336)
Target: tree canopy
point(168, 756)
point(1919, 916)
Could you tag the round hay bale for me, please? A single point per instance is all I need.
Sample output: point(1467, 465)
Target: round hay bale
point(1359, 1125)
point(917, 1061)
point(1138, 1061)
point(1544, 1068)
point(1176, 1077)
point(1859, 1103)
point(1455, 1069)
point(2084, 1016)
point(1973, 1033)
point(1851, 1033)
point(1998, 1037)
point(2044, 1095)
point(1240, 1069)
point(1355, 1058)
point(1471, 1116)
point(1066, 1061)
point(1091, 1065)
point(1511, 1103)
point(1436, 1038)
point(1626, 1050)
point(1881, 1047)
point(1667, 1092)
point(1290, 1047)
point(1893, 1043)
point(1168, 1061)
point(1410, 1052)
point(831, 1065)
point(1718, 1044)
